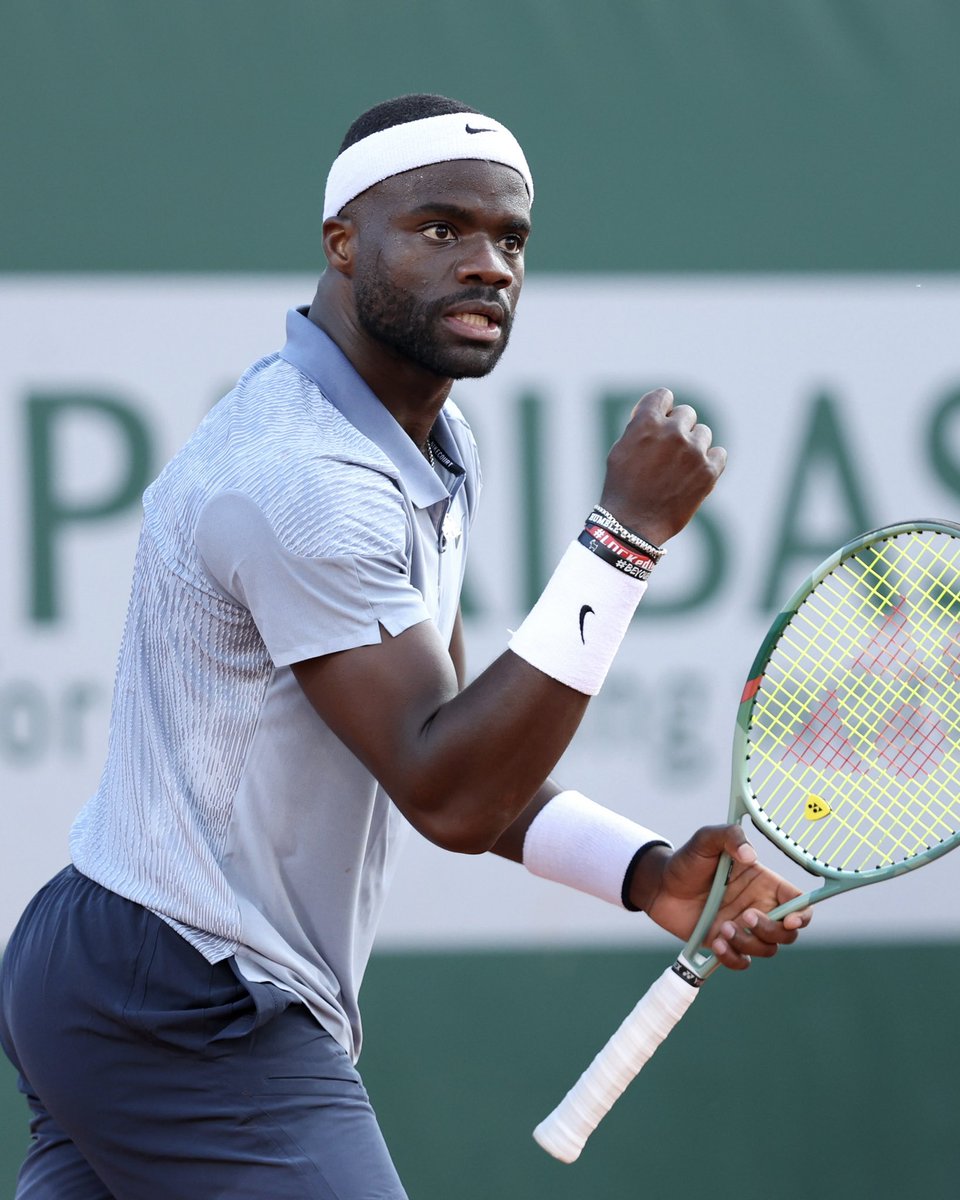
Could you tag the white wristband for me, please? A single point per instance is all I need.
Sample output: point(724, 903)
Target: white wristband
point(574, 841)
point(574, 630)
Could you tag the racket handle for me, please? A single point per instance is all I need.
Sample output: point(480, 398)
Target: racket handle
point(565, 1131)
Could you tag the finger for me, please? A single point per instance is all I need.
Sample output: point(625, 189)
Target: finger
point(758, 930)
point(710, 841)
point(727, 953)
point(685, 417)
point(718, 459)
point(734, 842)
point(702, 437)
point(659, 401)
point(754, 934)
point(798, 920)
point(750, 942)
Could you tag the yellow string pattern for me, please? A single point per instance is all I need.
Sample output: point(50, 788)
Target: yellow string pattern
point(854, 737)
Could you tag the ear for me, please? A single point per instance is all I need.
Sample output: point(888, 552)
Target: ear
point(339, 243)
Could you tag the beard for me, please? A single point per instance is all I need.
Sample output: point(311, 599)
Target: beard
point(411, 327)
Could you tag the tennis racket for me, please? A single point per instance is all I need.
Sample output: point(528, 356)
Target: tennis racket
point(846, 755)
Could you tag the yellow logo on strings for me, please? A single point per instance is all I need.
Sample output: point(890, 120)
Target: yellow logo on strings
point(816, 809)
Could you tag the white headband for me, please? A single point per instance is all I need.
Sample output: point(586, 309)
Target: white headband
point(419, 144)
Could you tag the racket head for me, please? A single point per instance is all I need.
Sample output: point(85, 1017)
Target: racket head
point(847, 744)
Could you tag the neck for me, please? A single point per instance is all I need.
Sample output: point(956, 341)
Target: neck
point(413, 395)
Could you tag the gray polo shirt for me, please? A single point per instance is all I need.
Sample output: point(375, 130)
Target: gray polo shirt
point(298, 520)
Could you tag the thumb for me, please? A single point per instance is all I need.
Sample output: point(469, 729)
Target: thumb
point(713, 840)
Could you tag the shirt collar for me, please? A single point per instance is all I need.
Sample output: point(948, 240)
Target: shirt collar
point(317, 356)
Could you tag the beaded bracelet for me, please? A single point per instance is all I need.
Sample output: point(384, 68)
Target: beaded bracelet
point(600, 516)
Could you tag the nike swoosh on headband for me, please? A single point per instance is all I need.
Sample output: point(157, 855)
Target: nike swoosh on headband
point(470, 129)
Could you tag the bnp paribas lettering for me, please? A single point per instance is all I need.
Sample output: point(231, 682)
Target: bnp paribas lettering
point(820, 464)
point(821, 458)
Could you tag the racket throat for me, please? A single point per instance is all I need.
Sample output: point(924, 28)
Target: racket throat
point(696, 957)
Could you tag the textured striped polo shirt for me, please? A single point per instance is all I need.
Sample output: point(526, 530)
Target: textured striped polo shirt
point(298, 520)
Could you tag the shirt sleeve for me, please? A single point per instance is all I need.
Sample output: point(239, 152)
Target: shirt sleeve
point(354, 579)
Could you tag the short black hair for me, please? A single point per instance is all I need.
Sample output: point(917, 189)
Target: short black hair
point(398, 112)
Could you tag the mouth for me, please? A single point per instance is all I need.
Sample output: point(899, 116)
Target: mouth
point(476, 322)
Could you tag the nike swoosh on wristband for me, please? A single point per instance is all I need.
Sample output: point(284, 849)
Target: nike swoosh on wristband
point(583, 616)
point(470, 129)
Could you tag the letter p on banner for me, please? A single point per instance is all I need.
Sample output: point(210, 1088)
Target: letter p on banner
point(51, 513)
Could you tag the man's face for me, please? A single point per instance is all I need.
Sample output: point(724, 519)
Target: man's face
point(439, 265)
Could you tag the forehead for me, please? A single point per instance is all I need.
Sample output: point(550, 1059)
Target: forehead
point(469, 184)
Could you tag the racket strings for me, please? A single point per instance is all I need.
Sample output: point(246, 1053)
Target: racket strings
point(869, 726)
point(892, 730)
point(853, 737)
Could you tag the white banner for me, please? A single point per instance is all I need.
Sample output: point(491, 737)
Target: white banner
point(838, 399)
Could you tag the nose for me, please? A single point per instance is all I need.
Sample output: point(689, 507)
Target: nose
point(482, 261)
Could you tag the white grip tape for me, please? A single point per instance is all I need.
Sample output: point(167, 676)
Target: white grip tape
point(565, 1131)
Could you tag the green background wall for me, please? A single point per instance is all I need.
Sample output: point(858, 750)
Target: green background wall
point(664, 135)
point(670, 136)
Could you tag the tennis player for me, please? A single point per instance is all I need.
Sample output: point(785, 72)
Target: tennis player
point(181, 1001)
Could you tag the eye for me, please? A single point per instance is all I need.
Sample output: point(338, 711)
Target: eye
point(438, 231)
point(512, 243)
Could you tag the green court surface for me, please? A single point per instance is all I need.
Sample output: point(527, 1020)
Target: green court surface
point(830, 1072)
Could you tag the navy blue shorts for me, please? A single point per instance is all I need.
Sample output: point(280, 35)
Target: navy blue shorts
point(152, 1074)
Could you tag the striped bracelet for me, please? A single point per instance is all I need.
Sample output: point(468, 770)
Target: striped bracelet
point(600, 516)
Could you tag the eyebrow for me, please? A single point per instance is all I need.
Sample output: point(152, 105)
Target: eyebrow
point(464, 215)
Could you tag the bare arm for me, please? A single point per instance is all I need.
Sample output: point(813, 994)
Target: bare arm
point(458, 651)
point(510, 843)
point(459, 765)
